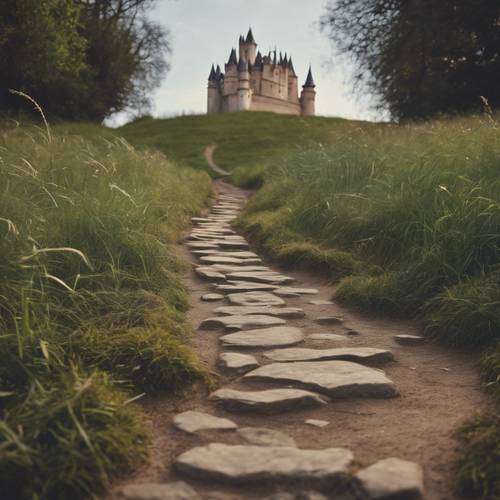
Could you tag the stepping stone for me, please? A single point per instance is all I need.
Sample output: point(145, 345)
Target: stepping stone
point(195, 421)
point(409, 339)
point(255, 298)
point(160, 491)
point(277, 336)
point(293, 291)
point(212, 297)
point(317, 423)
point(281, 312)
point(356, 354)
point(202, 244)
point(210, 275)
point(199, 219)
point(321, 302)
point(228, 268)
point(261, 436)
point(240, 464)
point(237, 362)
point(239, 254)
point(326, 336)
point(267, 401)
point(244, 286)
point(233, 244)
point(329, 320)
point(391, 478)
point(260, 277)
point(339, 379)
point(240, 322)
point(214, 259)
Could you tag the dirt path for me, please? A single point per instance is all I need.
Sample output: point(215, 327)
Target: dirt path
point(209, 155)
point(438, 390)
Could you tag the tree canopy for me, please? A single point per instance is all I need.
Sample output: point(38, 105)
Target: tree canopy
point(80, 59)
point(420, 57)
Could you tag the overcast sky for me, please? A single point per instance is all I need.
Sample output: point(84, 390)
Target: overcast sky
point(203, 32)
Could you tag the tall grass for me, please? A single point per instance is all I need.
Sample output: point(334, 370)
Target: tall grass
point(91, 304)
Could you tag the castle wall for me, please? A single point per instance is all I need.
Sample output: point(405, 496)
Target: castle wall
point(264, 103)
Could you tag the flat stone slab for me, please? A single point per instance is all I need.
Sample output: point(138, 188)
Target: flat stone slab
point(321, 302)
point(317, 423)
point(202, 244)
point(357, 354)
point(277, 336)
point(237, 254)
point(260, 277)
point(255, 298)
point(265, 464)
point(212, 297)
point(326, 336)
point(292, 291)
point(267, 401)
point(237, 362)
point(233, 244)
point(244, 286)
point(210, 275)
point(409, 339)
point(261, 436)
point(195, 421)
point(280, 312)
point(214, 259)
point(228, 268)
point(391, 478)
point(241, 322)
point(338, 379)
point(329, 320)
point(178, 490)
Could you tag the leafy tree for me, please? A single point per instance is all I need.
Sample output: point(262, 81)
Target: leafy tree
point(420, 57)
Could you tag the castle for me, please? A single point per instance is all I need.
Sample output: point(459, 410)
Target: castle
point(255, 82)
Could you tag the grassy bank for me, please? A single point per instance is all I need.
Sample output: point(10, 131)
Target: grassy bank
point(91, 304)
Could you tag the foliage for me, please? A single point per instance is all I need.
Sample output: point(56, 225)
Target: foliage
point(420, 57)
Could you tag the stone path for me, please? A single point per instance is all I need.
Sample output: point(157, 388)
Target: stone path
point(290, 367)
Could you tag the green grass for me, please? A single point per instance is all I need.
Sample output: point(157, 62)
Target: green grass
point(92, 309)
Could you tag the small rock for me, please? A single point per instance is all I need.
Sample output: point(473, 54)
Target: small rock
point(236, 362)
point(244, 286)
point(255, 298)
point(160, 491)
point(240, 322)
point(321, 302)
point(325, 336)
point(260, 277)
point(239, 464)
point(289, 290)
point(260, 436)
point(409, 339)
point(391, 478)
point(277, 336)
point(214, 259)
point(212, 297)
point(280, 312)
point(195, 421)
point(329, 320)
point(317, 423)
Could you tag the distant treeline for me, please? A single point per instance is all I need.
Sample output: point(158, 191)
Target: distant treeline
point(421, 57)
point(80, 59)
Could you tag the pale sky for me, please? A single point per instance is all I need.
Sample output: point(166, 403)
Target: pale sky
point(204, 31)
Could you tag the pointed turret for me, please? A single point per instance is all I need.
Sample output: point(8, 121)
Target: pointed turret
point(218, 73)
point(250, 38)
point(275, 58)
point(258, 61)
point(243, 66)
point(211, 77)
point(285, 61)
point(291, 68)
point(281, 58)
point(242, 39)
point(309, 79)
point(232, 57)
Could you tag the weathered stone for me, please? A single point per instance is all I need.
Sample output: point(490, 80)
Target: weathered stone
point(214, 259)
point(326, 336)
point(210, 275)
point(409, 339)
point(391, 478)
point(321, 302)
point(244, 286)
point(294, 291)
point(339, 379)
point(195, 421)
point(264, 337)
point(329, 320)
point(267, 401)
point(281, 312)
point(212, 297)
point(260, 277)
point(228, 268)
point(199, 219)
point(317, 423)
point(237, 362)
point(261, 464)
point(233, 244)
point(240, 322)
point(261, 436)
point(357, 354)
point(160, 491)
point(254, 298)
point(202, 244)
point(239, 254)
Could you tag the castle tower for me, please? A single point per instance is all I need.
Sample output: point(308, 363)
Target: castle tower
point(308, 96)
point(244, 92)
point(248, 48)
point(231, 76)
point(293, 86)
point(213, 94)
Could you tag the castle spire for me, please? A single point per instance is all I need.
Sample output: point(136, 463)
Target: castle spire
point(211, 77)
point(309, 79)
point(258, 61)
point(250, 38)
point(233, 59)
point(218, 73)
point(291, 68)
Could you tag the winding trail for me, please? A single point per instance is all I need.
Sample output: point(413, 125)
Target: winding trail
point(410, 410)
point(209, 156)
